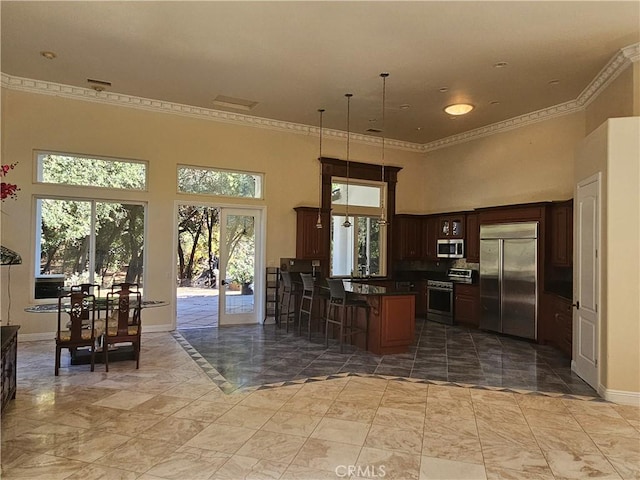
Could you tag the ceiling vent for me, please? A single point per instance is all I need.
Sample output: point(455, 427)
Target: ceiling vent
point(98, 85)
point(235, 103)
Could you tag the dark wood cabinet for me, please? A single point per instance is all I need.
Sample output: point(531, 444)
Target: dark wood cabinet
point(451, 226)
point(466, 304)
point(556, 322)
point(561, 234)
point(408, 237)
point(430, 238)
point(311, 242)
point(472, 238)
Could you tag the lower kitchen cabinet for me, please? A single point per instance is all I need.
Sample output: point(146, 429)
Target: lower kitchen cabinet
point(466, 304)
point(556, 322)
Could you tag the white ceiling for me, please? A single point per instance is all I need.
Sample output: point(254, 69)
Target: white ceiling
point(295, 57)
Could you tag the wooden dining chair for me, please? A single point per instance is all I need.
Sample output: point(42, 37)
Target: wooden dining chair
point(123, 322)
point(76, 325)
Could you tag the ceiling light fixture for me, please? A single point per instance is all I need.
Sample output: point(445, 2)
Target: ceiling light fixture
point(404, 106)
point(500, 65)
point(458, 109)
point(443, 89)
point(347, 223)
point(383, 217)
point(319, 219)
point(554, 82)
point(48, 55)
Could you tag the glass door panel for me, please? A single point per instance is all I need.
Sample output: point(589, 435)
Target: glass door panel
point(238, 266)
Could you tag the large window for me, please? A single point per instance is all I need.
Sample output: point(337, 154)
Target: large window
point(66, 169)
point(86, 241)
point(358, 250)
point(209, 181)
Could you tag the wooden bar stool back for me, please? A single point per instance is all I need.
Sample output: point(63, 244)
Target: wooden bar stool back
point(287, 301)
point(306, 302)
point(344, 317)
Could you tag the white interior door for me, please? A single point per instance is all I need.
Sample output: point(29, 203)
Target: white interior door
point(586, 318)
point(239, 261)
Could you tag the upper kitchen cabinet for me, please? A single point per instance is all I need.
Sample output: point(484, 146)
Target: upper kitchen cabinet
point(407, 237)
point(472, 243)
point(430, 227)
point(451, 226)
point(561, 234)
point(311, 242)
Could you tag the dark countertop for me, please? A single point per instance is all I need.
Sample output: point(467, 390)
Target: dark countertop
point(561, 289)
point(375, 290)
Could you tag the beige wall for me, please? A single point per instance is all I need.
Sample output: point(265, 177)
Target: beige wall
point(528, 164)
point(617, 100)
point(289, 161)
point(614, 150)
point(623, 255)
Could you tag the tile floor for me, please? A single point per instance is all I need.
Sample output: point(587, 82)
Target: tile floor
point(170, 420)
point(257, 355)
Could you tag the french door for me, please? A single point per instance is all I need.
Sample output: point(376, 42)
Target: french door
point(240, 266)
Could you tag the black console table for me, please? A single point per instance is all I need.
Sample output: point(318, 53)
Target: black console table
point(9, 336)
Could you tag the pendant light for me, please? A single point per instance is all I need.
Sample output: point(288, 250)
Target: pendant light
point(383, 220)
point(347, 223)
point(319, 220)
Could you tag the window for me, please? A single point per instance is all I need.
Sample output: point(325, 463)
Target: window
point(87, 241)
point(209, 181)
point(358, 250)
point(66, 169)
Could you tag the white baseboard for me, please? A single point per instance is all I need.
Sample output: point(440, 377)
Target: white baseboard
point(619, 396)
point(36, 337)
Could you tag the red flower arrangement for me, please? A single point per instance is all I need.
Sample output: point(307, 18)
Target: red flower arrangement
point(9, 190)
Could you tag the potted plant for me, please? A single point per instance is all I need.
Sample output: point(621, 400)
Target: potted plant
point(241, 270)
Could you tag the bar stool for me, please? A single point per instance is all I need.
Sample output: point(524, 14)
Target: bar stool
point(287, 301)
point(306, 301)
point(338, 301)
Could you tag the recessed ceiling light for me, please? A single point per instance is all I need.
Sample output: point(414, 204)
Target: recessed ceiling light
point(443, 89)
point(48, 55)
point(554, 82)
point(500, 65)
point(236, 103)
point(495, 102)
point(458, 109)
point(419, 128)
point(405, 106)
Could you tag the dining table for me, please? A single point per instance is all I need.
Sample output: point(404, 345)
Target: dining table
point(82, 356)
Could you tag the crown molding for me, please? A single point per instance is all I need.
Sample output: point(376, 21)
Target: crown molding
point(620, 61)
point(625, 57)
point(122, 100)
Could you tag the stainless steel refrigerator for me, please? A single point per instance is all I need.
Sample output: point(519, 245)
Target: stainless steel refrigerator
point(508, 278)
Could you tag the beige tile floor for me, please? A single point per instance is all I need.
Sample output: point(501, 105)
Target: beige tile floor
point(169, 421)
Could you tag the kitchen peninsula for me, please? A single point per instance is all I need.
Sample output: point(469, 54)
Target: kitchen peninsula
point(392, 317)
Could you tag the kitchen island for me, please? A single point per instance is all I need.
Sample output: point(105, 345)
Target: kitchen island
point(392, 317)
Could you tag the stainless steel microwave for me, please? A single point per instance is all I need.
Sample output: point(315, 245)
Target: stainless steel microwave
point(450, 248)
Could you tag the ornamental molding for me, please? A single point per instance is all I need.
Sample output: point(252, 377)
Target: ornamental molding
point(624, 58)
point(122, 100)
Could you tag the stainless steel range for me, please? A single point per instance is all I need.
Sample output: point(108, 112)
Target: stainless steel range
point(440, 295)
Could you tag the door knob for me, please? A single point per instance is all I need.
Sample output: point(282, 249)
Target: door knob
point(577, 305)
point(224, 282)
